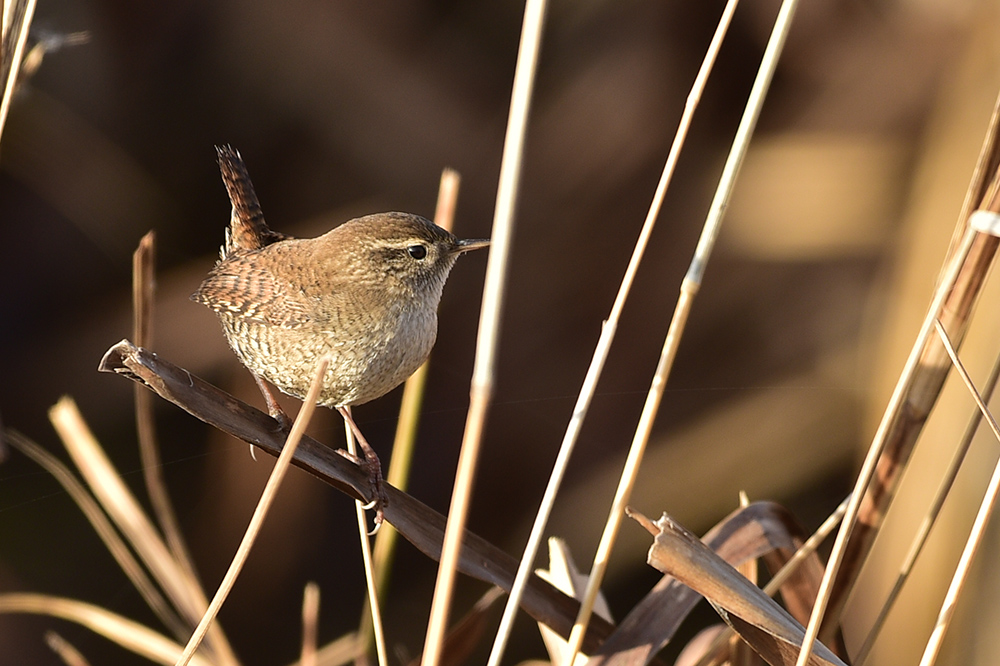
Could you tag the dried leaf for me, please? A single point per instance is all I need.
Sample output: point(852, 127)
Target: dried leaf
point(745, 534)
point(762, 623)
point(565, 576)
point(695, 650)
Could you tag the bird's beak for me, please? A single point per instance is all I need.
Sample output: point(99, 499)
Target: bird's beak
point(469, 245)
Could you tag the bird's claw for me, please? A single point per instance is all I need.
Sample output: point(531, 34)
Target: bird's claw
point(273, 408)
point(379, 500)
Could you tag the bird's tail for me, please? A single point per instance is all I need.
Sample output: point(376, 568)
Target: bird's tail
point(247, 228)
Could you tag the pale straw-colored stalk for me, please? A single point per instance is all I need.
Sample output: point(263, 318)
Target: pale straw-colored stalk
point(344, 650)
point(263, 506)
point(125, 511)
point(105, 530)
point(366, 551)
point(310, 624)
point(806, 549)
point(404, 444)
point(481, 391)
point(689, 288)
point(930, 519)
point(66, 650)
point(143, 290)
point(16, 17)
point(879, 441)
point(978, 530)
point(603, 347)
point(127, 633)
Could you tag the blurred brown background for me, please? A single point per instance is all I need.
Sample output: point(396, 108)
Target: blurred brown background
point(826, 262)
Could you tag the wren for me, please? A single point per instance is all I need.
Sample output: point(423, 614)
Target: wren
point(365, 294)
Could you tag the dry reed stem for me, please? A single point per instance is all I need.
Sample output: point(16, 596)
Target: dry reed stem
point(755, 102)
point(603, 347)
point(66, 651)
point(102, 526)
point(689, 288)
point(930, 518)
point(128, 634)
point(914, 395)
point(403, 447)
point(740, 652)
point(263, 506)
point(404, 443)
point(946, 288)
point(465, 635)
point(16, 20)
point(122, 507)
point(143, 290)
point(344, 650)
point(629, 474)
point(977, 532)
point(983, 173)
point(366, 549)
point(807, 549)
point(918, 387)
point(761, 529)
point(481, 391)
point(310, 624)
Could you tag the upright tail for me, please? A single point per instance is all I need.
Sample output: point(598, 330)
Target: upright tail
point(247, 228)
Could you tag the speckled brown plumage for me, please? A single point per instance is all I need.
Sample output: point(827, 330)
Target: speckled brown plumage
point(247, 228)
point(366, 293)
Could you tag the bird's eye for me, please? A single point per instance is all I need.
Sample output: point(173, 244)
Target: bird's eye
point(417, 251)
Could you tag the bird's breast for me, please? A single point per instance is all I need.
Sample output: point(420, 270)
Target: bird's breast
point(370, 353)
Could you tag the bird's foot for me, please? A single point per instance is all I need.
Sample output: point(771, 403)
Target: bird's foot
point(374, 467)
point(273, 408)
point(376, 484)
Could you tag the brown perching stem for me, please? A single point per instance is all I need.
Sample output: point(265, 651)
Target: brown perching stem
point(417, 523)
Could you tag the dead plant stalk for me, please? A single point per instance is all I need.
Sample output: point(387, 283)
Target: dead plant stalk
point(489, 323)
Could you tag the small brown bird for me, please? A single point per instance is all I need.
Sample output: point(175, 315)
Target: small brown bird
point(365, 294)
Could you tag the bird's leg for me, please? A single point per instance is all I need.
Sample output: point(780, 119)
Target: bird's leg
point(273, 408)
point(379, 499)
